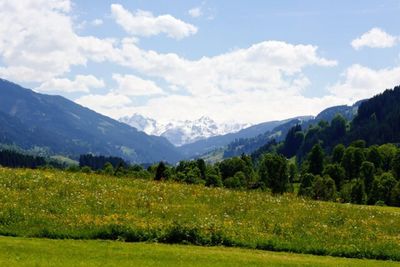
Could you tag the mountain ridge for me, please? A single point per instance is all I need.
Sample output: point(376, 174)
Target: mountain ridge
point(70, 129)
point(182, 132)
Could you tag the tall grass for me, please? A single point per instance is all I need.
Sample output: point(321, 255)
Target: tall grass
point(56, 204)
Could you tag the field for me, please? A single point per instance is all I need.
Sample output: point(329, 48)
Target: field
point(55, 204)
point(43, 252)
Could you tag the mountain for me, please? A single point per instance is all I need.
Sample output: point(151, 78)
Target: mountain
point(378, 119)
point(202, 147)
point(249, 145)
point(143, 124)
point(278, 133)
point(29, 119)
point(182, 132)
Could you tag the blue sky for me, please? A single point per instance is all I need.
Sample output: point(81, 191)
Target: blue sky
point(243, 61)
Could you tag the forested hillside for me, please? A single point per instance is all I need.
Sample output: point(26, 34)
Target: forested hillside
point(378, 119)
point(29, 119)
point(259, 143)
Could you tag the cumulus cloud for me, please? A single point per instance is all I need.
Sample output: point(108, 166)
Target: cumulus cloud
point(195, 12)
point(132, 85)
point(102, 103)
point(82, 83)
point(38, 41)
point(265, 66)
point(251, 84)
point(361, 82)
point(375, 38)
point(264, 81)
point(144, 23)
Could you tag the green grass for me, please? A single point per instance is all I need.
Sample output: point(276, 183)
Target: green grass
point(44, 252)
point(55, 204)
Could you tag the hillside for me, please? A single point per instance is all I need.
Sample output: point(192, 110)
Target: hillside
point(204, 146)
point(250, 145)
point(57, 204)
point(63, 127)
point(378, 119)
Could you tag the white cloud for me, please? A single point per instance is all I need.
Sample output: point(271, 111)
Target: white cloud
point(262, 82)
point(82, 83)
point(249, 85)
point(265, 66)
point(375, 38)
point(132, 85)
point(253, 107)
point(144, 23)
point(38, 41)
point(103, 103)
point(97, 22)
point(195, 12)
point(361, 82)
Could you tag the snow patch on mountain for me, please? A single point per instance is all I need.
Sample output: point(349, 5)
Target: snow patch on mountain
point(182, 132)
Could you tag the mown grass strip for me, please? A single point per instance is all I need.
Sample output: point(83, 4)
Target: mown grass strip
point(45, 252)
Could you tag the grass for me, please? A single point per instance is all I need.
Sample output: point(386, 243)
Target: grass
point(44, 252)
point(55, 204)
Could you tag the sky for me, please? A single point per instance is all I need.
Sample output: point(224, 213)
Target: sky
point(234, 61)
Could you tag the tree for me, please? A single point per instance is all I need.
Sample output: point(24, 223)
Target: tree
point(395, 195)
point(367, 171)
point(273, 173)
point(293, 141)
point(324, 188)
point(237, 181)
point(396, 165)
point(374, 156)
point(387, 152)
point(337, 127)
point(108, 169)
point(337, 173)
point(292, 172)
point(358, 194)
point(160, 171)
point(213, 177)
point(337, 154)
point(307, 181)
point(202, 167)
point(358, 143)
point(358, 159)
point(347, 162)
point(193, 176)
point(229, 167)
point(316, 159)
point(381, 188)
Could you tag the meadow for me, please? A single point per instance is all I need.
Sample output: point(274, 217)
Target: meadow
point(15, 251)
point(65, 205)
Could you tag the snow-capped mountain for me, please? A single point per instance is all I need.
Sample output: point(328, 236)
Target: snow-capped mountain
point(143, 124)
point(182, 132)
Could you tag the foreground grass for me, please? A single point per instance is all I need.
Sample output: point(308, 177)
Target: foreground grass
point(44, 252)
point(56, 204)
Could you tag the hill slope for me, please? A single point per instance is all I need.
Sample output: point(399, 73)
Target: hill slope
point(31, 119)
point(249, 145)
point(378, 119)
point(203, 146)
point(80, 206)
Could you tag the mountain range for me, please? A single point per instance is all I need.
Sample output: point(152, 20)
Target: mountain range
point(182, 132)
point(29, 119)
